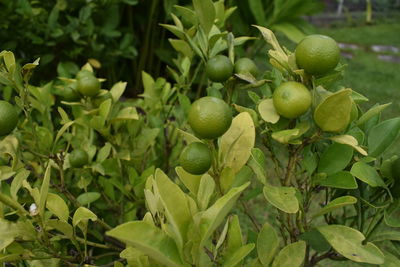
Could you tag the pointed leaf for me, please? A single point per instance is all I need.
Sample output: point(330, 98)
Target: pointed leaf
point(238, 255)
point(57, 206)
point(333, 114)
point(44, 190)
point(191, 181)
point(335, 158)
point(350, 141)
point(237, 142)
point(150, 240)
point(367, 174)
point(336, 204)
point(342, 180)
point(381, 136)
point(206, 190)
point(267, 244)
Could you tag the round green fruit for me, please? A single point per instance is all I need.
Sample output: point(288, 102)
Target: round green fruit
point(317, 54)
point(196, 158)
point(291, 99)
point(88, 85)
point(8, 118)
point(209, 117)
point(219, 68)
point(246, 65)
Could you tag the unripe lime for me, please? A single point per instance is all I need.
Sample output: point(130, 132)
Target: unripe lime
point(196, 158)
point(219, 68)
point(8, 118)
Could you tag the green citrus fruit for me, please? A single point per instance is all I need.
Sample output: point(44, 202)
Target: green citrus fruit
point(209, 117)
point(70, 93)
point(8, 118)
point(83, 73)
point(196, 158)
point(88, 84)
point(246, 65)
point(78, 158)
point(317, 54)
point(291, 99)
point(219, 68)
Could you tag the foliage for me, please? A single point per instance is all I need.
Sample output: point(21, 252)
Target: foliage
point(325, 189)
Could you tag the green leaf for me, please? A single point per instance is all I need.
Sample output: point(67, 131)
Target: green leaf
point(335, 158)
point(135, 257)
point(257, 163)
point(17, 182)
point(238, 255)
point(267, 244)
point(226, 179)
point(342, 179)
point(44, 190)
point(291, 256)
point(213, 216)
point(333, 114)
point(88, 197)
point(150, 240)
point(290, 30)
point(128, 113)
point(349, 243)
point(383, 135)
point(316, 240)
point(283, 198)
point(117, 90)
point(182, 47)
point(392, 214)
point(336, 204)
point(350, 141)
point(390, 260)
point(367, 174)
point(191, 181)
point(237, 142)
point(81, 218)
point(205, 12)
point(206, 190)
point(372, 112)
point(178, 216)
point(234, 239)
point(286, 136)
point(57, 206)
point(267, 111)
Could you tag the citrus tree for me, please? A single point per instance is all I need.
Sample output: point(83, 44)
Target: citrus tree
point(254, 168)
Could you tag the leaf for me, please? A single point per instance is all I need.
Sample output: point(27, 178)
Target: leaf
point(333, 114)
point(348, 242)
point(117, 90)
point(336, 204)
point(226, 179)
point(17, 182)
point(267, 244)
point(88, 197)
point(367, 174)
point(316, 240)
point(206, 190)
point(128, 113)
point(82, 216)
point(234, 239)
point(283, 198)
point(238, 255)
point(257, 163)
point(44, 190)
point(205, 12)
point(57, 206)
point(178, 216)
point(237, 142)
point(291, 256)
point(150, 240)
point(286, 136)
point(290, 30)
point(213, 216)
point(104, 152)
point(335, 158)
point(342, 179)
point(383, 135)
point(257, 9)
point(191, 181)
point(392, 214)
point(371, 112)
point(267, 111)
point(61, 226)
point(350, 141)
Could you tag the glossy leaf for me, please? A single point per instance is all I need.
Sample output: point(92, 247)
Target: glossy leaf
point(336, 204)
point(342, 179)
point(178, 216)
point(333, 114)
point(237, 142)
point(350, 141)
point(238, 255)
point(150, 240)
point(335, 158)
point(267, 244)
point(206, 190)
point(382, 136)
point(372, 112)
point(367, 174)
point(205, 12)
point(234, 239)
point(283, 198)
point(88, 197)
point(349, 243)
point(57, 206)
point(213, 216)
point(82, 216)
point(191, 181)
point(291, 256)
